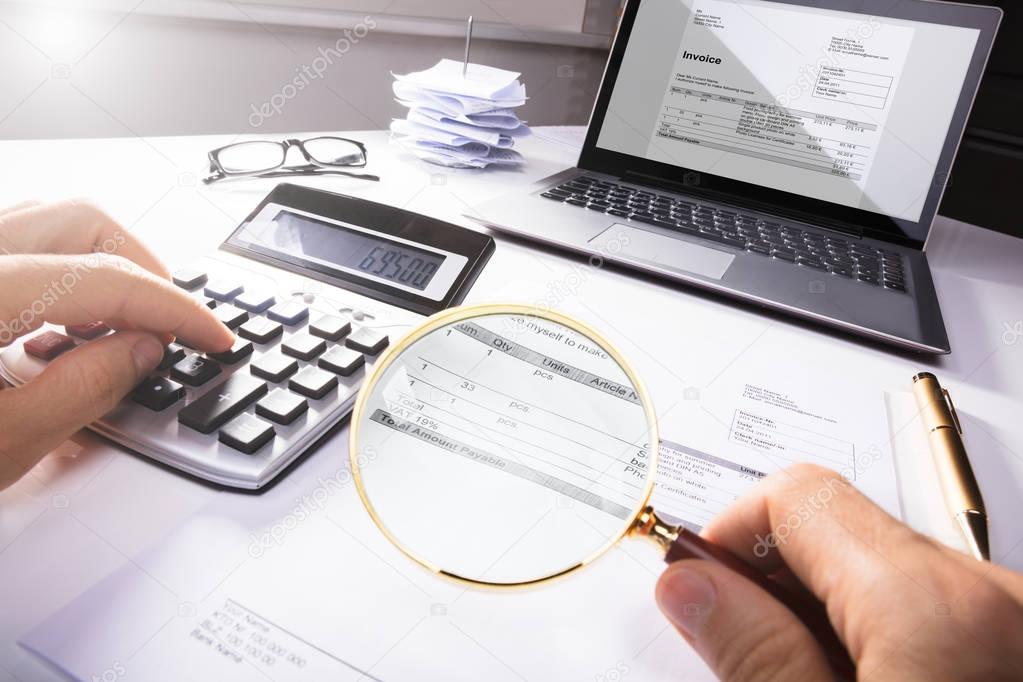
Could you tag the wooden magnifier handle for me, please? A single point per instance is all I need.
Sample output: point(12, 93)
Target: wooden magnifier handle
point(684, 544)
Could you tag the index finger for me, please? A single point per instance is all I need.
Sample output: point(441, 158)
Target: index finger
point(81, 289)
point(72, 226)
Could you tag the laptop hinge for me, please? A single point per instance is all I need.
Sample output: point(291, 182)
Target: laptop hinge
point(691, 187)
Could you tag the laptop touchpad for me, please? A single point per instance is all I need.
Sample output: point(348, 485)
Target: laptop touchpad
point(636, 244)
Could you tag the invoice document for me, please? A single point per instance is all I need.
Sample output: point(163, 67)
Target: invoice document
point(839, 106)
point(773, 116)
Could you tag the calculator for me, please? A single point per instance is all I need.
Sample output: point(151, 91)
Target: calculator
point(314, 285)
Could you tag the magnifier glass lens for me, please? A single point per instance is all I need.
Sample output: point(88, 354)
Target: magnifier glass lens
point(504, 448)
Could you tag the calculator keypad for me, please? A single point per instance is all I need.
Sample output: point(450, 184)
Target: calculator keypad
point(49, 345)
point(158, 393)
point(274, 367)
point(195, 370)
point(239, 416)
point(261, 330)
point(211, 411)
point(366, 340)
point(88, 332)
point(330, 327)
point(341, 360)
point(290, 313)
point(247, 433)
point(282, 406)
point(231, 316)
point(304, 346)
point(240, 350)
point(313, 382)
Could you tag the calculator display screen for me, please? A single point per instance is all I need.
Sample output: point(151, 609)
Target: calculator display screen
point(311, 239)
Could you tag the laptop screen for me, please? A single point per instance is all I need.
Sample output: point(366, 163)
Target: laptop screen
point(842, 108)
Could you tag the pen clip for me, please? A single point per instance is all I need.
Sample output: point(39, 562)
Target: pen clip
point(952, 409)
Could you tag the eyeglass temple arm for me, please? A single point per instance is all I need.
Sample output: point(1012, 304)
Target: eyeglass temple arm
point(309, 171)
point(316, 170)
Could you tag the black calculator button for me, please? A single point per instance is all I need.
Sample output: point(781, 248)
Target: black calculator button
point(194, 370)
point(247, 433)
point(210, 303)
point(158, 393)
point(274, 367)
point(231, 316)
point(260, 330)
point(223, 290)
point(289, 312)
point(343, 361)
point(254, 301)
point(172, 355)
point(330, 327)
point(313, 382)
point(239, 350)
point(366, 340)
point(281, 406)
point(189, 278)
point(303, 346)
point(212, 410)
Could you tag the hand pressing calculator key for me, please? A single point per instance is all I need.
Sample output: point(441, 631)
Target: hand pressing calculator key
point(315, 286)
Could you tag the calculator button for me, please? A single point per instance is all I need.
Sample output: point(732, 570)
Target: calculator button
point(89, 331)
point(289, 312)
point(330, 327)
point(195, 370)
point(189, 278)
point(303, 346)
point(260, 330)
point(341, 360)
point(212, 410)
point(172, 355)
point(254, 301)
point(223, 290)
point(313, 382)
point(229, 315)
point(210, 303)
point(158, 393)
point(49, 345)
point(281, 406)
point(274, 367)
point(240, 349)
point(366, 340)
point(247, 433)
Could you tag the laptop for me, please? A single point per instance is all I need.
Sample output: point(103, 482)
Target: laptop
point(791, 154)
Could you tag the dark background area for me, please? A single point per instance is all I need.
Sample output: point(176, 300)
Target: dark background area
point(986, 183)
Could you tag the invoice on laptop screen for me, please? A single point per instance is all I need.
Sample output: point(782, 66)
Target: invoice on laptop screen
point(832, 105)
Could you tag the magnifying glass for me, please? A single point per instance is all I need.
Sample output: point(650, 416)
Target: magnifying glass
point(505, 445)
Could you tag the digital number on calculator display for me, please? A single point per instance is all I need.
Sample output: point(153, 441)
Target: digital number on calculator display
point(398, 266)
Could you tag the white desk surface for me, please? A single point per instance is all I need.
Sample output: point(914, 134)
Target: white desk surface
point(49, 553)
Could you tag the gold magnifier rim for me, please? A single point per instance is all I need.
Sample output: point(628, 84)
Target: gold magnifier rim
point(459, 314)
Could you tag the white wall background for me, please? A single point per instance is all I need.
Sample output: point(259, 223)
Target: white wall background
point(67, 72)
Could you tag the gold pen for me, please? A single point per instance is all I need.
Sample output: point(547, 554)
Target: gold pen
point(962, 495)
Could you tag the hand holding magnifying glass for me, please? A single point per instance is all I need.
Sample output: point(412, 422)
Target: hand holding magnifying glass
point(474, 431)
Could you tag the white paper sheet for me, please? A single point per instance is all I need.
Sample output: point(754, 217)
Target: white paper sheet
point(503, 119)
point(479, 81)
point(305, 557)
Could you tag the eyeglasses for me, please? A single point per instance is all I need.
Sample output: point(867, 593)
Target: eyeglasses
point(324, 155)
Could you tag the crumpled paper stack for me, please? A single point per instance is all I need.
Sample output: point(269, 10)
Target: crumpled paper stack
point(460, 121)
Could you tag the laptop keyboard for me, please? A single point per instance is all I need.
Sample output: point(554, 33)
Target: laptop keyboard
point(842, 257)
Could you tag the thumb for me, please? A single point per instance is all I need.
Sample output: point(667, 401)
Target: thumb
point(76, 389)
point(742, 632)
